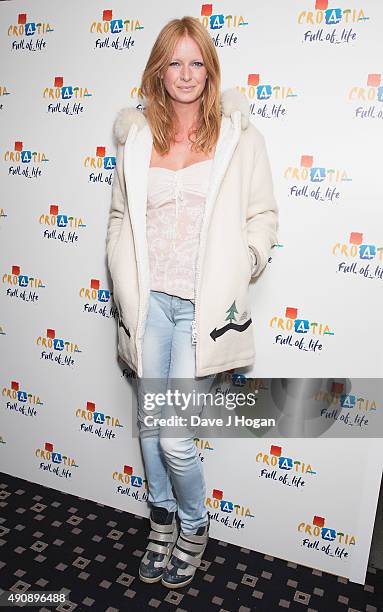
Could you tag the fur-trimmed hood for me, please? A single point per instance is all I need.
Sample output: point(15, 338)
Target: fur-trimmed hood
point(231, 100)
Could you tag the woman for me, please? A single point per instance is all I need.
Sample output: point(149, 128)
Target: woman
point(192, 219)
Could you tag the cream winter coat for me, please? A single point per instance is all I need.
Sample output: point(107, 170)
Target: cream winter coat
point(240, 212)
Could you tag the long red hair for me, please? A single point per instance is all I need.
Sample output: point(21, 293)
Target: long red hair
point(158, 109)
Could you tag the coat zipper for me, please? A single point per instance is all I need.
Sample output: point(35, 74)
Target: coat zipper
point(194, 332)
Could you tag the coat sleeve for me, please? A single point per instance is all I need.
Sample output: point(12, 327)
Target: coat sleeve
point(262, 211)
point(118, 204)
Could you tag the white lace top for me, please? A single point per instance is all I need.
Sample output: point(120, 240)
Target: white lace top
point(175, 209)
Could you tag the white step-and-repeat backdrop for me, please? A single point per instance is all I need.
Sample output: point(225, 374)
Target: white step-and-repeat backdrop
point(312, 73)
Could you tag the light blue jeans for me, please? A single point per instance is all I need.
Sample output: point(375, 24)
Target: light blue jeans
point(172, 465)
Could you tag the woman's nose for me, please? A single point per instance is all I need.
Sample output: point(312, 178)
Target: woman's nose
point(185, 74)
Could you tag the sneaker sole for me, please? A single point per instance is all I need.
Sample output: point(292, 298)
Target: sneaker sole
point(149, 580)
point(178, 585)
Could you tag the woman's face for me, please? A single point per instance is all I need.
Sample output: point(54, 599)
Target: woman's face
point(185, 76)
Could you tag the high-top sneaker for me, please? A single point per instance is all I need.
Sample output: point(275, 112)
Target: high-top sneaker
point(162, 538)
point(186, 557)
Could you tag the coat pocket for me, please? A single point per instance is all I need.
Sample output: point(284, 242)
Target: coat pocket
point(124, 336)
point(247, 252)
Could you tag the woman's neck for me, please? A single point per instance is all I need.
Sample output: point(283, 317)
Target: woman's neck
point(186, 117)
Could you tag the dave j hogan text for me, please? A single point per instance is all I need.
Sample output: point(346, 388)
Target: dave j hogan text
point(196, 421)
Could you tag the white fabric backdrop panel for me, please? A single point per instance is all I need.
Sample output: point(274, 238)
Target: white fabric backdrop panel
point(66, 415)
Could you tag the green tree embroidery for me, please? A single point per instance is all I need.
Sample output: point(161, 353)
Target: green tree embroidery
point(231, 312)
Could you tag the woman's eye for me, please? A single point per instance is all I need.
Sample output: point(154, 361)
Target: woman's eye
point(196, 63)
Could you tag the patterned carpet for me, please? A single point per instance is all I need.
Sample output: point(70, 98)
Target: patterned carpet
point(52, 541)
